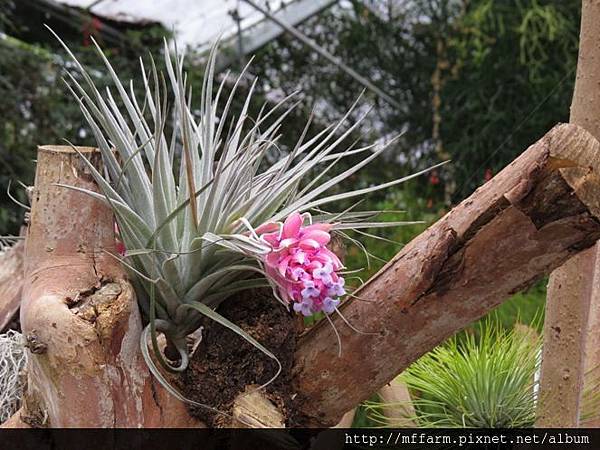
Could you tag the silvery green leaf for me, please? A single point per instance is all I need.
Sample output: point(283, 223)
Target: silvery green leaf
point(189, 223)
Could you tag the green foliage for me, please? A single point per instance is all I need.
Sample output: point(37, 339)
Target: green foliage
point(506, 71)
point(36, 110)
point(509, 78)
point(483, 381)
point(495, 76)
point(362, 416)
point(525, 307)
point(26, 122)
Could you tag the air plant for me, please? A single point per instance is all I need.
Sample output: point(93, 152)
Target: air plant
point(201, 213)
point(484, 380)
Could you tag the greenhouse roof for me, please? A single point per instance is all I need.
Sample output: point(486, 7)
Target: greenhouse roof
point(198, 22)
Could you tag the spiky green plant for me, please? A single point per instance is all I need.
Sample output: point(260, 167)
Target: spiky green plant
point(483, 380)
point(189, 226)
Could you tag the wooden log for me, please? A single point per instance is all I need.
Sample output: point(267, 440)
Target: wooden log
point(11, 281)
point(538, 212)
point(252, 409)
point(565, 326)
point(15, 421)
point(397, 408)
point(79, 314)
point(571, 335)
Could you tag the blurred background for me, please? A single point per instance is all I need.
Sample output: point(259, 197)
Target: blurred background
point(471, 81)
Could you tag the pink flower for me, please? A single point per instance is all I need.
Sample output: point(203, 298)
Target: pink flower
point(303, 268)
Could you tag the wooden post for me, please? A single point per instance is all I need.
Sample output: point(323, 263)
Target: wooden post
point(79, 314)
point(398, 409)
point(530, 218)
point(573, 303)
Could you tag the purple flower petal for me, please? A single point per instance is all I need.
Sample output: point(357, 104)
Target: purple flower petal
point(304, 307)
point(330, 305)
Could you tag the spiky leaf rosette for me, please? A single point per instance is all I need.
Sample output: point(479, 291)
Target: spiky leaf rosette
point(200, 211)
point(485, 381)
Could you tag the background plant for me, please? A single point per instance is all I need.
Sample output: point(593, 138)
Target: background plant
point(37, 111)
point(482, 381)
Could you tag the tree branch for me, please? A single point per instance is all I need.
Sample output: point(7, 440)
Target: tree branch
point(538, 212)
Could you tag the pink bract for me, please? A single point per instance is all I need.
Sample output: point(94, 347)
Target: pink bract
point(304, 269)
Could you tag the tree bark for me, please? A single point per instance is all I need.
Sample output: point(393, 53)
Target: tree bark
point(11, 282)
point(529, 219)
point(573, 302)
point(79, 315)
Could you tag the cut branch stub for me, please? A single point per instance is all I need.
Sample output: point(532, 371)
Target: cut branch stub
point(78, 312)
point(539, 211)
point(252, 409)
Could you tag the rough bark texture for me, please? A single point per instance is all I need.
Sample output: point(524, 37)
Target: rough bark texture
point(573, 305)
point(11, 281)
point(534, 215)
point(79, 314)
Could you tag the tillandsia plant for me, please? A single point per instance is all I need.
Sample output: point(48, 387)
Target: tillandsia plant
point(222, 219)
point(480, 380)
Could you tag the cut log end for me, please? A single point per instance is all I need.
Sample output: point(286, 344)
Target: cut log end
point(79, 313)
point(53, 149)
point(252, 409)
point(576, 155)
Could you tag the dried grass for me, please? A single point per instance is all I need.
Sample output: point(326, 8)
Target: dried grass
point(12, 362)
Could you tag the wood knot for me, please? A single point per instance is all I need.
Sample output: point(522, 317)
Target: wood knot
point(33, 343)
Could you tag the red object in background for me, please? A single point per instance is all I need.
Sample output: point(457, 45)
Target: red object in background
point(488, 175)
point(429, 203)
point(118, 242)
point(433, 178)
point(89, 29)
point(120, 247)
